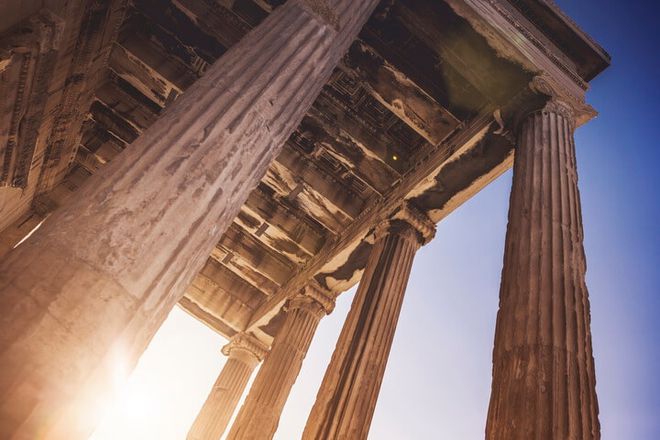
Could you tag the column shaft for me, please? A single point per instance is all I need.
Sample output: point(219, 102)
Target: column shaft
point(543, 368)
point(227, 390)
point(244, 353)
point(346, 400)
point(260, 414)
point(85, 294)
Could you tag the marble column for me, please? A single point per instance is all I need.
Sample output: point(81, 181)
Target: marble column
point(543, 368)
point(346, 400)
point(244, 352)
point(83, 296)
point(260, 414)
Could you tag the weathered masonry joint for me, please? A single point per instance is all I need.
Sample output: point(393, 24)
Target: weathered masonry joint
point(250, 160)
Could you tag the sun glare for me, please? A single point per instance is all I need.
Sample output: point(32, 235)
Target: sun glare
point(135, 404)
point(161, 397)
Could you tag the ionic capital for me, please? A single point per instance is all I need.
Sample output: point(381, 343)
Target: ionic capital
point(314, 298)
point(408, 220)
point(245, 342)
point(557, 100)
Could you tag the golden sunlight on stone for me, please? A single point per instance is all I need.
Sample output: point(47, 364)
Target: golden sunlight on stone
point(253, 160)
point(162, 396)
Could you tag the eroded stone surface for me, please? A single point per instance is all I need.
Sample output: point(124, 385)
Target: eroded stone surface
point(260, 414)
point(106, 270)
point(243, 352)
point(347, 398)
point(543, 367)
point(418, 110)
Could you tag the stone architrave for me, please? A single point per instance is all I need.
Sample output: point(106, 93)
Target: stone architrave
point(543, 368)
point(83, 296)
point(260, 414)
point(28, 55)
point(346, 400)
point(244, 352)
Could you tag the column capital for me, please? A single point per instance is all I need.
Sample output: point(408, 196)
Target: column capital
point(246, 343)
point(551, 97)
point(315, 298)
point(322, 10)
point(408, 218)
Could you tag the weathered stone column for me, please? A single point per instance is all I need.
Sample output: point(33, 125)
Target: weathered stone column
point(260, 414)
point(84, 295)
point(243, 353)
point(346, 400)
point(543, 368)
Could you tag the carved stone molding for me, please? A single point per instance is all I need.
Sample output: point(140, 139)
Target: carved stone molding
point(27, 59)
point(246, 342)
point(495, 21)
point(547, 51)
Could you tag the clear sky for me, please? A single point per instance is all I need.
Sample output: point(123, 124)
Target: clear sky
point(437, 382)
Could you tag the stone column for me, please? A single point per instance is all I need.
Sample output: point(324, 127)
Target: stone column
point(243, 353)
point(260, 414)
point(346, 400)
point(543, 368)
point(84, 295)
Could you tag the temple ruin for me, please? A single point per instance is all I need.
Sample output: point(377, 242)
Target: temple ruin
point(250, 160)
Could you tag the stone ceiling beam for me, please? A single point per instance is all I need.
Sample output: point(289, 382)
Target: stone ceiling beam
point(289, 186)
point(174, 29)
point(144, 46)
point(418, 175)
point(399, 94)
point(115, 123)
point(98, 146)
point(287, 218)
point(243, 269)
point(129, 67)
point(330, 137)
point(218, 292)
point(323, 181)
point(207, 302)
point(272, 237)
point(196, 303)
point(374, 144)
point(129, 103)
point(256, 255)
point(232, 283)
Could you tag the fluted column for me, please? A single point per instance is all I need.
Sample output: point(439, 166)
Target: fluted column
point(244, 352)
point(543, 368)
point(346, 400)
point(83, 296)
point(260, 414)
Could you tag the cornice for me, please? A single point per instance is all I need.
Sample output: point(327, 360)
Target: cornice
point(514, 40)
point(27, 59)
point(496, 4)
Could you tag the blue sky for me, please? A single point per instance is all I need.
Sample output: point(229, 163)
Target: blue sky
point(437, 382)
